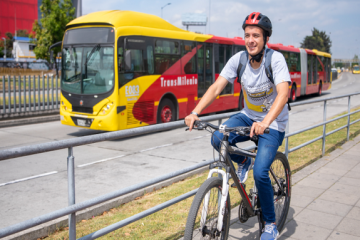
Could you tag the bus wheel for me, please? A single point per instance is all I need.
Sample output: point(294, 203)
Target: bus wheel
point(320, 89)
point(166, 111)
point(241, 102)
point(293, 94)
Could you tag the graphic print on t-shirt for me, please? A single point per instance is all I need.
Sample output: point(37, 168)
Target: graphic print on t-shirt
point(258, 97)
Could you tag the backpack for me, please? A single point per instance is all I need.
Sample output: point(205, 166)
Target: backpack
point(268, 70)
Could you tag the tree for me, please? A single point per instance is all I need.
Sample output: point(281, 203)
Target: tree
point(319, 40)
point(55, 15)
point(355, 61)
point(22, 33)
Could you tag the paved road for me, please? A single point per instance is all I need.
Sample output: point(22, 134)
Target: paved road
point(107, 166)
point(325, 201)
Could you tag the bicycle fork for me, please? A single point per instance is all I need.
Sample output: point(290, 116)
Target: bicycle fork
point(224, 195)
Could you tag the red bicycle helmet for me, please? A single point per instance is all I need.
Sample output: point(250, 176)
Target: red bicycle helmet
point(257, 19)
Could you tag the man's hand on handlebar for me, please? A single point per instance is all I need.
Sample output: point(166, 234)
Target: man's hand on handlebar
point(190, 119)
point(258, 128)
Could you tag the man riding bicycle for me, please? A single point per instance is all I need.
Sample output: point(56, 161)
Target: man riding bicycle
point(264, 107)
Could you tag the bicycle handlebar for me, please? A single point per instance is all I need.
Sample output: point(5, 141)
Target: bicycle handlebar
point(242, 131)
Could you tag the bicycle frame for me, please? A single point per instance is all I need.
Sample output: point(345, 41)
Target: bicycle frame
point(230, 170)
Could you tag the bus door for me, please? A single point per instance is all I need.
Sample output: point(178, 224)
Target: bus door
point(205, 71)
point(311, 75)
point(227, 93)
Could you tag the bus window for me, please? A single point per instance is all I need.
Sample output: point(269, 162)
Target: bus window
point(239, 48)
point(150, 59)
point(229, 87)
point(228, 52)
point(135, 59)
point(315, 67)
point(166, 47)
point(166, 54)
point(209, 66)
point(200, 61)
point(190, 66)
point(310, 68)
point(219, 57)
point(294, 62)
point(287, 58)
point(319, 66)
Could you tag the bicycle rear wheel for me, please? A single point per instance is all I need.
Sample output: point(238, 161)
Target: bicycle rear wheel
point(207, 229)
point(282, 173)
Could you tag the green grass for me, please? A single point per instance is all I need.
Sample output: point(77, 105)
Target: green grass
point(170, 222)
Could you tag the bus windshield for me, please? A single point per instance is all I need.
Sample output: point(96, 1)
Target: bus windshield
point(87, 70)
point(356, 68)
point(88, 61)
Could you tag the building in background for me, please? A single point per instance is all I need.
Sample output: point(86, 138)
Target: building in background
point(20, 14)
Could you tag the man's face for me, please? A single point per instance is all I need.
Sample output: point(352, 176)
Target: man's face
point(254, 40)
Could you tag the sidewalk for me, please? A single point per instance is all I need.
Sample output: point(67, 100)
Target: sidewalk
point(325, 202)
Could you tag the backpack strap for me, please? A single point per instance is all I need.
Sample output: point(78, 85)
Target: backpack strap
point(268, 69)
point(242, 65)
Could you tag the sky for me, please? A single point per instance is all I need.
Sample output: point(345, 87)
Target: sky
point(291, 20)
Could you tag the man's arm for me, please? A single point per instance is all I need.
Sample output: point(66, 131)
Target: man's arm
point(210, 95)
point(281, 99)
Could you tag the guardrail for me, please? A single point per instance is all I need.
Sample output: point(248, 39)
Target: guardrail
point(71, 143)
point(24, 94)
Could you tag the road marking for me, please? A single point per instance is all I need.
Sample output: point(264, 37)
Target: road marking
point(99, 161)
point(161, 146)
point(28, 178)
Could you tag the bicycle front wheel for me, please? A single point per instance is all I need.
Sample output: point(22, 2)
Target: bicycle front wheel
point(202, 221)
point(281, 176)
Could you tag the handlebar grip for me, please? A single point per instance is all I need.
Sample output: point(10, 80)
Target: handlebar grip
point(267, 130)
point(254, 138)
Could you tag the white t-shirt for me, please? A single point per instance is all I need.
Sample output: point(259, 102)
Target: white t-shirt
point(259, 92)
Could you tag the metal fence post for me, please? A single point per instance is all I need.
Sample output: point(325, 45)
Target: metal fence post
point(324, 130)
point(348, 124)
point(43, 90)
point(25, 101)
point(4, 96)
point(30, 102)
point(287, 140)
point(71, 190)
point(47, 81)
point(9, 94)
point(52, 92)
point(20, 102)
point(14, 89)
point(34, 93)
point(38, 89)
point(57, 97)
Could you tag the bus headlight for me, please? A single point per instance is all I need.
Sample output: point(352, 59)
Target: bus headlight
point(106, 109)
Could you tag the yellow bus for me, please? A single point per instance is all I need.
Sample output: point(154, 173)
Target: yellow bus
point(124, 69)
point(356, 69)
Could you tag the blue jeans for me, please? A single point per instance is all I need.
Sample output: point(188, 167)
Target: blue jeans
point(267, 147)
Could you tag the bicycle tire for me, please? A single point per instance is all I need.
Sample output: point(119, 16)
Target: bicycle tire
point(281, 169)
point(192, 229)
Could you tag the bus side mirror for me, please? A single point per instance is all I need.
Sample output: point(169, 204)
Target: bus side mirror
point(58, 44)
point(51, 56)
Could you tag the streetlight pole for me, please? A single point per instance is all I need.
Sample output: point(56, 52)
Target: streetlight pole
point(162, 9)
point(4, 48)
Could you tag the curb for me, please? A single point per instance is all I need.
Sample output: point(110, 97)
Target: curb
point(29, 120)
point(45, 229)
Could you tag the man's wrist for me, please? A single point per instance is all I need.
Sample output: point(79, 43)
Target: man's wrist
point(194, 113)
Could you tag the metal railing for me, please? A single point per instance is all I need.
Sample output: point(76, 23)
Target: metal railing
point(71, 143)
point(24, 94)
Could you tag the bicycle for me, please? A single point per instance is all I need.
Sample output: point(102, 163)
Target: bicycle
point(209, 216)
